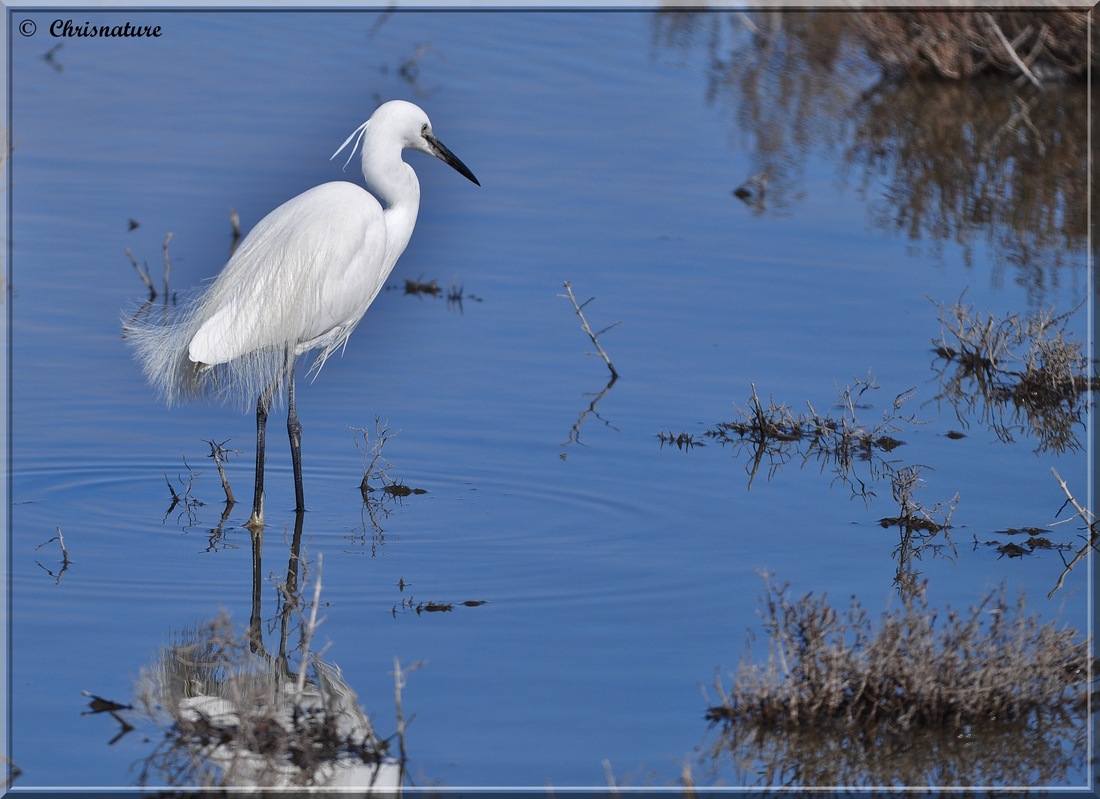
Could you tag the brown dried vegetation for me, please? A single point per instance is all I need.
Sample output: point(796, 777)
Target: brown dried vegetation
point(1017, 374)
point(994, 663)
point(966, 43)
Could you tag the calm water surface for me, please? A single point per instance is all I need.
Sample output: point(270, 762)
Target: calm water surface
point(618, 575)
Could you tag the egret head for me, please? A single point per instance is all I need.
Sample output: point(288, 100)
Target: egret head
point(406, 125)
point(435, 147)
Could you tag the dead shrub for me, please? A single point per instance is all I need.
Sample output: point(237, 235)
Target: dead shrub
point(912, 670)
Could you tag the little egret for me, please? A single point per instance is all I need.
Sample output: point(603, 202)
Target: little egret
point(300, 281)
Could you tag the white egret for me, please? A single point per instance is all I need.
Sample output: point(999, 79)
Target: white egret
point(301, 280)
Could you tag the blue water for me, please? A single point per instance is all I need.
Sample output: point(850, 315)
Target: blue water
point(618, 575)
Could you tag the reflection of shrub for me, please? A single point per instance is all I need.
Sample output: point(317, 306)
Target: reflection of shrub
point(942, 162)
point(923, 699)
point(1022, 372)
point(775, 434)
point(994, 662)
point(982, 160)
point(963, 44)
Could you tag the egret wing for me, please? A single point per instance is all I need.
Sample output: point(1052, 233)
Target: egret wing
point(301, 278)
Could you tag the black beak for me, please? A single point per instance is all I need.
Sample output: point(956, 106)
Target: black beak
point(447, 157)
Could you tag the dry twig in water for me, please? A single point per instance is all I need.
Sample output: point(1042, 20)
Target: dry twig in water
point(220, 455)
point(584, 324)
point(1090, 521)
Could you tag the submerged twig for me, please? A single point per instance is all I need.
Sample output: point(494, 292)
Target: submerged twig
point(584, 324)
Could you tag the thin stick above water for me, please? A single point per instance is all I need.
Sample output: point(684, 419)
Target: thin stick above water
point(588, 330)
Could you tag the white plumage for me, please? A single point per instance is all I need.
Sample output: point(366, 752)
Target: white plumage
point(300, 281)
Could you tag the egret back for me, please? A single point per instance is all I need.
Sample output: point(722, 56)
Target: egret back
point(300, 280)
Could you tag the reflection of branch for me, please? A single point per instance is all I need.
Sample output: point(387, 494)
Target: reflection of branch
point(375, 468)
point(409, 69)
point(64, 555)
point(1088, 518)
point(1007, 45)
point(378, 465)
point(143, 273)
point(100, 705)
point(1020, 114)
point(53, 62)
point(917, 526)
point(575, 432)
point(310, 627)
point(588, 330)
point(399, 677)
point(185, 499)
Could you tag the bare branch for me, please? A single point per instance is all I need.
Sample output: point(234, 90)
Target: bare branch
point(1090, 521)
point(1012, 51)
point(588, 330)
point(220, 454)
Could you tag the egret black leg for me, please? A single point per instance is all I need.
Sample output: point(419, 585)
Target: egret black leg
point(294, 429)
point(256, 521)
